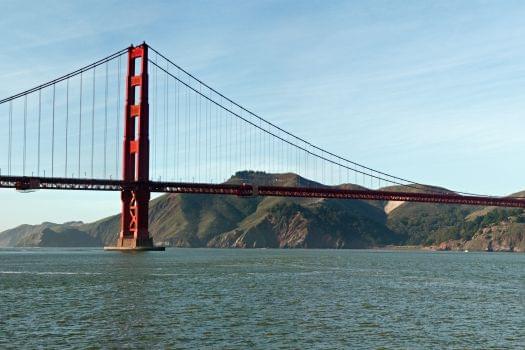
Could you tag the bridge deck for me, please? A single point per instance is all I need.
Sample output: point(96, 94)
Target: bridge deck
point(244, 190)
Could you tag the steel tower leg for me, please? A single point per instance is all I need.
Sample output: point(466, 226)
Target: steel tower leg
point(134, 234)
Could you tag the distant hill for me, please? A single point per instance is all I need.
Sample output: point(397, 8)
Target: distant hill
point(48, 235)
point(185, 220)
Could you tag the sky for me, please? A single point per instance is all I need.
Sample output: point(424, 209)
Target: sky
point(433, 91)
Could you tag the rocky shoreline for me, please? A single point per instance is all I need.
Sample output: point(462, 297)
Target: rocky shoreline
point(502, 237)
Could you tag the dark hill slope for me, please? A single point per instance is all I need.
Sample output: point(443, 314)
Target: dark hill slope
point(229, 221)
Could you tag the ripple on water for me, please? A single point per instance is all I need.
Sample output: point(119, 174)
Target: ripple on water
point(205, 298)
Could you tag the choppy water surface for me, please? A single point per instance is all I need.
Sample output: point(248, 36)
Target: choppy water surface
point(206, 298)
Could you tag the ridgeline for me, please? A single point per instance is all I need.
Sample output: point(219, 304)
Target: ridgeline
point(184, 220)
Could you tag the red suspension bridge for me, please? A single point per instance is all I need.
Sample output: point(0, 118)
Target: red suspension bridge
point(175, 135)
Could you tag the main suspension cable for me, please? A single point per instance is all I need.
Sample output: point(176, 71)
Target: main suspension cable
point(399, 180)
point(67, 76)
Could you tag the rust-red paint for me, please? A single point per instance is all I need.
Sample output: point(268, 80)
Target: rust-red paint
point(245, 190)
point(135, 161)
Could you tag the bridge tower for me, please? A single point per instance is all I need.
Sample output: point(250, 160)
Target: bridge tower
point(134, 233)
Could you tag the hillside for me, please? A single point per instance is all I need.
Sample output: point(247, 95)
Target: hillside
point(227, 221)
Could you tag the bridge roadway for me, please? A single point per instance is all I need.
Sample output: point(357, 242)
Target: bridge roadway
point(245, 190)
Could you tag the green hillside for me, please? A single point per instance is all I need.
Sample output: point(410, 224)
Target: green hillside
point(185, 220)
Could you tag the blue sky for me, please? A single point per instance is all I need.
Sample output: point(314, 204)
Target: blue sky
point(431, 91)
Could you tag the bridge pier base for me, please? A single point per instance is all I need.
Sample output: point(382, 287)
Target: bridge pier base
point(133, 245)
point(130, 244)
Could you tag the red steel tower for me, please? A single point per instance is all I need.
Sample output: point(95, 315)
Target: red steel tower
point(134, 234)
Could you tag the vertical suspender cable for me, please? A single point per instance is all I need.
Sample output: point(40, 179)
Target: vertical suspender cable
point(226, 145)
point(297, 165)
point(187, 114)
point(196, 136)
point(261, 142)
point(209, 140)
point(93, 125)
point(80, 125)
point(204, 119)
point(25, 137)
point(223, 139)
point(217, 142)
point(176, 167)
point(242, 134)
point(274, 153)
point(305, 162)
point(314, 166)
point(67, 125)
point(179, 127)
point(242, 144)
point(281, 157)
point(269, 143)
point(239, 140)
point(155, 119)
point(105, 122)
point(250, 147)
point(176, 132)
point(239, 144)
point(166, 125)
point(225, 153)
point(39, 126)
point(323, 164)
point(187, 134)
point(206, 140)
point(198, 133)
point(245, 134)
point(233, 144)
point(117, 119)
point(53, 135)
point(10, 143)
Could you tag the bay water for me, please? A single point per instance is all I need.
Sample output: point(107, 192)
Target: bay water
point(261, 299)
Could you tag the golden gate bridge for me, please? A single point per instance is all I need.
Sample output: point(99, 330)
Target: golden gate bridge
point(137, 123)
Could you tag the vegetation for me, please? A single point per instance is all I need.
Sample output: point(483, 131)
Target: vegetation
point(229, 221)
point(433, 224)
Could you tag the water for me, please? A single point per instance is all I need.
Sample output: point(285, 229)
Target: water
point(239, 299)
